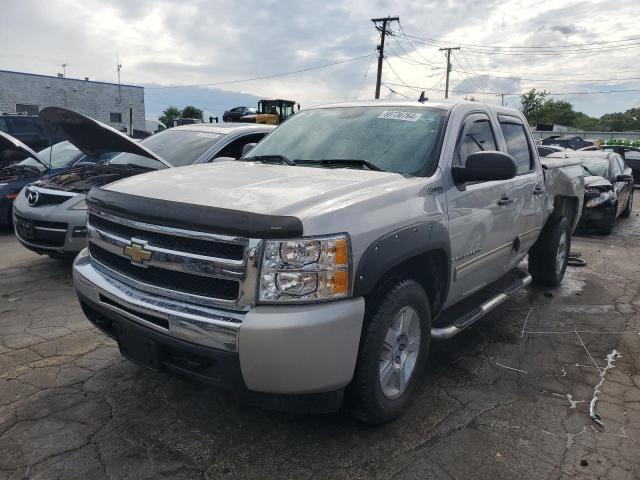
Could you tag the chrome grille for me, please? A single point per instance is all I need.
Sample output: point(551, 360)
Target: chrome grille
point(183, 264)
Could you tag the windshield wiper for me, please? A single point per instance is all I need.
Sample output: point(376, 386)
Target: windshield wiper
point(272, 159)
point(343, 162)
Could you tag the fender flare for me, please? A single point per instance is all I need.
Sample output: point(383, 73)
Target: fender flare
point(397, 247)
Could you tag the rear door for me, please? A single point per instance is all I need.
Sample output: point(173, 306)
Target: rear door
point(480, 227)
point(526, 189)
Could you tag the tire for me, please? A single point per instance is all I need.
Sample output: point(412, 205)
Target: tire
point(609, 222)
point(549, 255)
point(374, 402)
point(626, 213)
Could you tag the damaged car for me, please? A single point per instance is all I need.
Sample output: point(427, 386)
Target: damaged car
point(50, 215)
point(608, 189)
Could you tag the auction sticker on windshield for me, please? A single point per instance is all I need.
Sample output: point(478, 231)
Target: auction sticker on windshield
point(406, 116)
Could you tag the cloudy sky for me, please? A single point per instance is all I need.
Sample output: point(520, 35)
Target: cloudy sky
point(586, 47)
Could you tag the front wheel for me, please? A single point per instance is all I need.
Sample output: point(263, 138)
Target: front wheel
point(549, 255)
point(394, 350)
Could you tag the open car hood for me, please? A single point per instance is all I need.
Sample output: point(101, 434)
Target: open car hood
point(7, 142)
point(93, 138)
point(82, 179)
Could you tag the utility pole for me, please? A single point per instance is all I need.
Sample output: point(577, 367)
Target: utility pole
point(448, 49)
point(502, 99)
point(118, 68)
point(383, 32)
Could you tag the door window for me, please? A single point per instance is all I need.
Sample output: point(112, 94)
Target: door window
point(616, 167)
point(234, 149)
point(517, 145)
point(477, 136)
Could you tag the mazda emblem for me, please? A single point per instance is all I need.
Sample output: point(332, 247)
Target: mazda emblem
point(32, 197)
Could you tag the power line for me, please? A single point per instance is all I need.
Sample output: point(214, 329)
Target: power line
point(597, 92)
point(396, 74)
point(264, 76)
point(550, 52)
point(545, 47)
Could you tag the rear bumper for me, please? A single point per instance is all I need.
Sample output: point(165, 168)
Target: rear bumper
point(278, 349)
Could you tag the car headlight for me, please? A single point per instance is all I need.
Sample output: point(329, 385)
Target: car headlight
point(596, 198)
point(305, 269)
point(81, 205)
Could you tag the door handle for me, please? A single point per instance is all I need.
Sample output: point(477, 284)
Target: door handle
point(505, 201)
point(538, 190)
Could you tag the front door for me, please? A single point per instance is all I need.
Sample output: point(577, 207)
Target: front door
point(480, 217)
point(526, 189)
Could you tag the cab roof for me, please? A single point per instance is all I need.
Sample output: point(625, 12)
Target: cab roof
point(224, 128)
point(440, 103)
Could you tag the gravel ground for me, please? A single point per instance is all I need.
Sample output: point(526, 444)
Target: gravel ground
point(508, 398)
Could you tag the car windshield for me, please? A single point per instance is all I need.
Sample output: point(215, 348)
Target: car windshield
point(58, 156)
point(596, 166)
point(394, 139)
point(178, 147)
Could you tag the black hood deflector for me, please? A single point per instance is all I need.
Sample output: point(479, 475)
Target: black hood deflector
point(194, 217)
point(92, 138)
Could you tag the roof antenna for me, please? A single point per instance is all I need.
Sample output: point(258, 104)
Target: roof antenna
point(422, 98)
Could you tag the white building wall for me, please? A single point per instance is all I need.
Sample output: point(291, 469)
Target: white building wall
point(94, 99)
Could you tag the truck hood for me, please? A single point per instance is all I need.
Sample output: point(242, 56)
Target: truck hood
point(262, 188)
point(82, 179)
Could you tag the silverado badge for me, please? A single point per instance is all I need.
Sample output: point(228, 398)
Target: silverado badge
point(138, 255)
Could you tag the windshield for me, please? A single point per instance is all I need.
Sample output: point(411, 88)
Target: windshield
point(178, 147)
point(394, 139)
point(60, 155)
point(596, 166)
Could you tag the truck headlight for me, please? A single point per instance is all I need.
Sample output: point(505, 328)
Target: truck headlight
point(305, 269)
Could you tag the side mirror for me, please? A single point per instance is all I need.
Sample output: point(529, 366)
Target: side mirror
point(247, 148)
point(484, 167)
point(624, 178)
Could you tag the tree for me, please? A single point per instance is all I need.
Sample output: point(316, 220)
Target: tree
point(557, 111)
point(532, 104)
point(191, 112)
point(169, 115)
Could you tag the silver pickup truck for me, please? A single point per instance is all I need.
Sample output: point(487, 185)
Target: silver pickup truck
point(326, 259)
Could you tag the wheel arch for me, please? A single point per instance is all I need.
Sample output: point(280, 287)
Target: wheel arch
point(566, 206)
point(420, 252)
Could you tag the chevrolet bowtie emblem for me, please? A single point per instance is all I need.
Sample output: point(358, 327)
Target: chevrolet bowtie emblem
point(137, 253)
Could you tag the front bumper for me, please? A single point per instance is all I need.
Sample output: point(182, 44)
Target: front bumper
point(278, 349)
point(57, 229)
point(595, 218)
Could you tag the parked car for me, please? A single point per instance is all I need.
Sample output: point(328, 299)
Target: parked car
point(545, 150)
point(608, 189)
point(26, 128)
point(47, 162)
point(56, 205)
point(234, 114)
point(331, 254)
point(631, 157)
